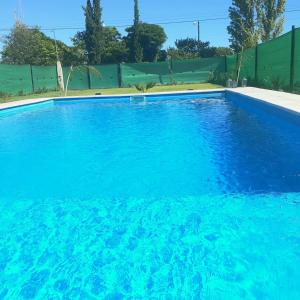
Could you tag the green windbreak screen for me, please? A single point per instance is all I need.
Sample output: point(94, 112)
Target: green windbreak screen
point(203, 64)
point(44, 78)
point(274, 59)
point(79, 79)
point(157, 72)
point(104, 76)
point(297, 61)
point(15, 79)
point(231, 64)
point(196, 70)
point(247, 61)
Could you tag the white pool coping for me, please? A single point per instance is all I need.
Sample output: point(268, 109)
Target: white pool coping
point(287, 101)
point(283, 100)
point(19, 103)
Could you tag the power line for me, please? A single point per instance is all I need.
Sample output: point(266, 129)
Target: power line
point(128, 25)
point(157, 23)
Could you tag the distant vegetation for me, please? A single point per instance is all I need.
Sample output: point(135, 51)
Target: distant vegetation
point(100, 44)
point(252, 21)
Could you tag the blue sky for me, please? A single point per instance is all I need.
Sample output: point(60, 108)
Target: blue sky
point(68, 13)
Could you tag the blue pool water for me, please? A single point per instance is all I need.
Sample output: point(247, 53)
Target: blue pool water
point(182, 197)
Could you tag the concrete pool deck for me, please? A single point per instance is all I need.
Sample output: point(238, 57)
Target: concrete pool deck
point(284, 100)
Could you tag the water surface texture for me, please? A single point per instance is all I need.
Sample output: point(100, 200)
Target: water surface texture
point(179, 197)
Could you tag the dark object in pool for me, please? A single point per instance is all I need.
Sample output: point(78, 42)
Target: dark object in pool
point(98, 94)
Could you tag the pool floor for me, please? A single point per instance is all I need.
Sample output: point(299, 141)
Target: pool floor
point(187, 197)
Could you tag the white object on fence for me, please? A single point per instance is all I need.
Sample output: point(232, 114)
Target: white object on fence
point(60, 76)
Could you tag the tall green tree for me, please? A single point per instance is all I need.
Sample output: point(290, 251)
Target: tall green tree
point(270, 18)
point(151, 39)
point(136, 51)
point(243, 27)
point(89, 30)
point(93, 31)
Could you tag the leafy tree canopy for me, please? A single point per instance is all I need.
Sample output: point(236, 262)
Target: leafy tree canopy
point(114, 47)
point(252, 21)
point(243, 27)
point(270, 18)
point(151, 38)
point(25, 45)
point(191, 48)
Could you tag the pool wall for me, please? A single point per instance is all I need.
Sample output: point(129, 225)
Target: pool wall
point(279, 103)
point(263, 109)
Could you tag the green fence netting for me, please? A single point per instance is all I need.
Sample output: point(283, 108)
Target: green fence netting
point(44, 78)
point(107, 76)
point(79, 79)
point(267, 65)
point(274, 62)
point(196, 70)
point(15, 79)
point(158, 72)
point(231, 64)
point(247, 61)
point(297, 61)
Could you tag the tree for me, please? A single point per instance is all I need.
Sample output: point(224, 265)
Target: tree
point(270, 18)
point(243, 26)
point(162, 55)
point(191, 48)
point(114, 47)
point(136, 51)
point(151, 39)
point(223, 51)
point(93, 31)
point(25, 45)
point(89, 31)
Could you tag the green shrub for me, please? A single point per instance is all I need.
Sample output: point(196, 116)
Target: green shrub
point(4, 95)
point(221, 77)
point(144, 87)
point(41, 91)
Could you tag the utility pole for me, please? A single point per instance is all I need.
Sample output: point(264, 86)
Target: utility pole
point(56, 49)
point(198, 28)
point(59, 70)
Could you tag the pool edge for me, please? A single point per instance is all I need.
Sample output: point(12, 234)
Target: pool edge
point(290, 103)
point(27, 102)
point(281, 100)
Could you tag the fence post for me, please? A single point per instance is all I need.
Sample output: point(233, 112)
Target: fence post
point(292, 69)
point(119, 76)
point(256, 65)
point(237, 64)
point(89, 78)
point(58, 86)
point(32, 81)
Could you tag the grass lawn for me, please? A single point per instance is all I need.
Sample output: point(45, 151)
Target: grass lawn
point(116, 91)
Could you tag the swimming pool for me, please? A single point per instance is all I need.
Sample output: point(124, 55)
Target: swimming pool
point(182, 196)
